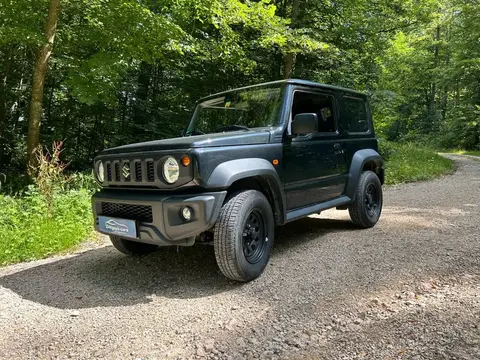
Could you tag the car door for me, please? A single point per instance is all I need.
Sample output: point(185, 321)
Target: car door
point(314, 164)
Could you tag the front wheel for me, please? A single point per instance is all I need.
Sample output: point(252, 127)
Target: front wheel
point(128, 247)
point(367, 206)
point(243, 236)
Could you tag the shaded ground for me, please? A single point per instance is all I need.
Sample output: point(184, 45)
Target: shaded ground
point(409, 289)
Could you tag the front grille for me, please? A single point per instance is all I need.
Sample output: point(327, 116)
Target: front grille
point(142, 213)
point(135, 172)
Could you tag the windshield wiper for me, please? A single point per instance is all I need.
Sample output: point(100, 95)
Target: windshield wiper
point(232, 127)
point(195, 132)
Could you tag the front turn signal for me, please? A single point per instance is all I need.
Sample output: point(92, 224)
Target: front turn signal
point(186, 161)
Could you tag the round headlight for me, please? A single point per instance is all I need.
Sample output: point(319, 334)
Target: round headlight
point(171, 170)
point(100, 172)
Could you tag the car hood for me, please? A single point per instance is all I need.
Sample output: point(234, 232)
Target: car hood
point(231, 138)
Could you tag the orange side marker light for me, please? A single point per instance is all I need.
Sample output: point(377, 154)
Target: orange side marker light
point(275, 162)
point(186, 161)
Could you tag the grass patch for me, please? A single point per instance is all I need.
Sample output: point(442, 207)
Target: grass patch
point(28, 232)
point(412, 162)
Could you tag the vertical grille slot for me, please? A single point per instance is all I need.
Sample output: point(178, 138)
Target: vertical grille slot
point(117, 171)
point(138, 171)
point(150, 171)
point(109, 171)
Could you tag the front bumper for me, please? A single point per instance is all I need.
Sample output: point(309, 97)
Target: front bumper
point(158, 216)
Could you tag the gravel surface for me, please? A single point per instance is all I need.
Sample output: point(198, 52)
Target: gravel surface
point(407, 289)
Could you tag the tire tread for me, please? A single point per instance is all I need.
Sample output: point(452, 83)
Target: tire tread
point(226, 232)
point(356, 208)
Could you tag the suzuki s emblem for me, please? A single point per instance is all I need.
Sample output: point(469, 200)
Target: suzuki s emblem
point(126, 171)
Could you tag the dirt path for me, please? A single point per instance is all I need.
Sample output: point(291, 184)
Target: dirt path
point(407, 289)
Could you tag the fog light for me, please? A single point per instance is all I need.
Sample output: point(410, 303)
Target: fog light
point(186, 213)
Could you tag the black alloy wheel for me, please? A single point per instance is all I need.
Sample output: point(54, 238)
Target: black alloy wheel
point(243, 235)
point(371, 200)
point(254, 237)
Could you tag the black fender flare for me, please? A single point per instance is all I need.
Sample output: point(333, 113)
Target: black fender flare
point(227, 173)
point(360, 158)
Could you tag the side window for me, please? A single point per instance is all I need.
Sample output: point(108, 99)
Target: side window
point(322, 105)
point(356, 117)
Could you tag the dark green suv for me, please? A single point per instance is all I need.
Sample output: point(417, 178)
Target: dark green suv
point(250, 159)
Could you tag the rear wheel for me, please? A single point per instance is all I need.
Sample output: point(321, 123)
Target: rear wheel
point(129, 247)
point(243, 236)
point(367, 206)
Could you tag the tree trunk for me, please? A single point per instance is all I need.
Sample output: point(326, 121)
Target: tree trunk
point(3, 90)
point(432, 109)
point(3, 103)
point(38, 83)
point(290, 58)
point(141, 106)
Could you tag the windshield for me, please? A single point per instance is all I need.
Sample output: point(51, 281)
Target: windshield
point(237, 110)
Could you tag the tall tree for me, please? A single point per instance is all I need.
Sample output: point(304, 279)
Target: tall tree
point(38, 84)
point(291, 56)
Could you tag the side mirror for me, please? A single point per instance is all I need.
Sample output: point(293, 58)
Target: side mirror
point(305, 124)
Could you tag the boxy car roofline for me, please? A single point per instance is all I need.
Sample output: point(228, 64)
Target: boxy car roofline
point(286, 82)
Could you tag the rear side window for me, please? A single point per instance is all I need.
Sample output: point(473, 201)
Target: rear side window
point(356, 115)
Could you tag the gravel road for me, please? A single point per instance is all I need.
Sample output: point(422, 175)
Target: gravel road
point(407, 289)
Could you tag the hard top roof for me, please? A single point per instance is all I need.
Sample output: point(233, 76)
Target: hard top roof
point(294, 82)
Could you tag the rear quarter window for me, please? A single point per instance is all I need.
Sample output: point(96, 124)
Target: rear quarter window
point(356, 115)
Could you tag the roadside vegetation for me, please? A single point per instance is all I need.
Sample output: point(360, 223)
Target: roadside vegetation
point(50, 215)
point(412, 162)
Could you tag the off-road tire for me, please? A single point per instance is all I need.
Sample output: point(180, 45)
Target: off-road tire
point(358, 208)
point(132, 248)
point(229, 235)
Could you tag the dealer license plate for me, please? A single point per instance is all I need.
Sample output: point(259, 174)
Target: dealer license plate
point(120, 227)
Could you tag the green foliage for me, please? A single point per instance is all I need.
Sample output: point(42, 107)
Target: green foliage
point(82, 181)
point(430, 76)
point(413, 162)
point(51, 215)
point(27, 232)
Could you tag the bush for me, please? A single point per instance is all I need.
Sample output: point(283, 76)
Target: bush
point(46, 217)
point(77, 181)
point(28, 231)
point(386, 148)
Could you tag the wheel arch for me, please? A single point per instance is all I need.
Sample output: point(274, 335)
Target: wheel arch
point(251, 174)
point(366, 159)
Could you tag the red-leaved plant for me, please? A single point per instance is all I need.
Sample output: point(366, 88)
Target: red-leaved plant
point(49, 176)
